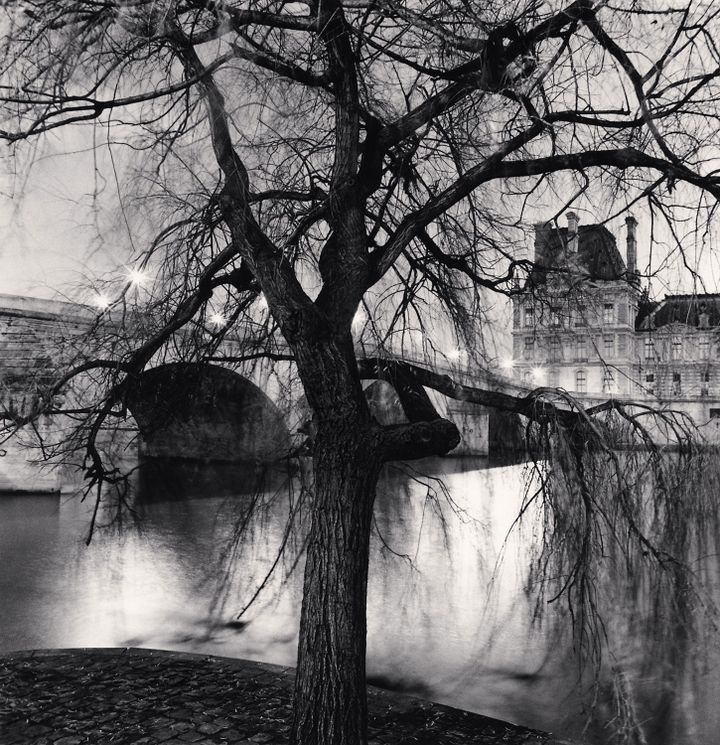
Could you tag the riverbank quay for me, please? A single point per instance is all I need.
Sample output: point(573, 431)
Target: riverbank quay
point(131, 696)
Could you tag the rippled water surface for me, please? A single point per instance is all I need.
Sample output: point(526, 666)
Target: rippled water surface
point(446, 618)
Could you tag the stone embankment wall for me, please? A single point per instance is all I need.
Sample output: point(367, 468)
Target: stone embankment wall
point(37, 338)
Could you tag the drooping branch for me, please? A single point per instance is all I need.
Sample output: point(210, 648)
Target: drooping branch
point(539, 405)
point(459, 263)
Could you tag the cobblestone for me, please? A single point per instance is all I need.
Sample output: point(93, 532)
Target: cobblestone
point(137, 696)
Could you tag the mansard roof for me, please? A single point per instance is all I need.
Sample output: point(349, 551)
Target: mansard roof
point(684, 309)
point(597, 254)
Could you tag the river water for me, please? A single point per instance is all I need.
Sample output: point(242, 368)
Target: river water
point(449, 615)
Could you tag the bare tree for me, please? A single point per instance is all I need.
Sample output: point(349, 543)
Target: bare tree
point(333, 153)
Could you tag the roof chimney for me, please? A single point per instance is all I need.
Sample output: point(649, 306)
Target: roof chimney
point(542, 234)
point(572, 239)
point(631, 258)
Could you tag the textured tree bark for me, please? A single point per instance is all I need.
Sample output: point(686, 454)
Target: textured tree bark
point(350, 447)
point(330, 693)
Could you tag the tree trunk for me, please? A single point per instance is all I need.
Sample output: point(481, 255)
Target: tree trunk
point(330, 693)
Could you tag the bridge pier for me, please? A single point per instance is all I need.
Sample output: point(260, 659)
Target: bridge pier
point(473, 422)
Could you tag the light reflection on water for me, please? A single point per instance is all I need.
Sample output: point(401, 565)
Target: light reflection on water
point(445, 618)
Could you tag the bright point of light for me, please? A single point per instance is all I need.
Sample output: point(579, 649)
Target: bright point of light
point(508, 363)
point(137, 277)
point(537, 373)
point(102, 302)
point(218, 319)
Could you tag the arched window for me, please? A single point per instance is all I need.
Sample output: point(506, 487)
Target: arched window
point(581, 381)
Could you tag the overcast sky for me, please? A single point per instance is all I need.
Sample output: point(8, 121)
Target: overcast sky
point(55, 234)
point(61, 225)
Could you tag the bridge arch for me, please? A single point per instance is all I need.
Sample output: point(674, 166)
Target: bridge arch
point(206, 412)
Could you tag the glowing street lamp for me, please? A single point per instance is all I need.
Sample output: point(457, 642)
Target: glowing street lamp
point(456, 355)
point(102, 302)
point(218, 319)
point(137, 277)
point(508, 363)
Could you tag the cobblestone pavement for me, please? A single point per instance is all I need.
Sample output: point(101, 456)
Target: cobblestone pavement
point(124, 696)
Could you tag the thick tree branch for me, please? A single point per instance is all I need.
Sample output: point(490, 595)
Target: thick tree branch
point(496, 168)
point(282, 67)
point(419, 440)
point(635, 78)
point(343, 262)
point(469, 77)
point(277, 278)
point(232, 18)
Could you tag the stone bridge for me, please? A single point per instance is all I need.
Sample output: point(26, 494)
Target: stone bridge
point(181, 410)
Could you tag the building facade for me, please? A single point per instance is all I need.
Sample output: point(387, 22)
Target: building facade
point(583, 323)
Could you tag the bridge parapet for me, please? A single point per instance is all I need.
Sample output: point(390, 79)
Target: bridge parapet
point(37, 337)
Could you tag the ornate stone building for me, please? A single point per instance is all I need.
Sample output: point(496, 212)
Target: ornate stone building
point(583, 323)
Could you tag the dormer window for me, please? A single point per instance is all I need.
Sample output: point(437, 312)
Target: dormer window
point(677, 347)
point(529, 316)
